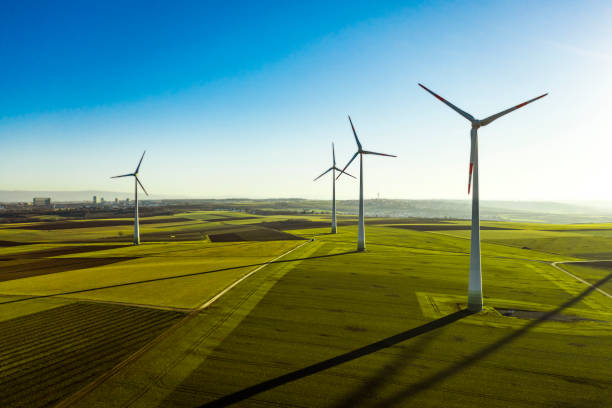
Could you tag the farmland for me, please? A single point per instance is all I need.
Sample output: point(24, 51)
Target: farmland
point(320, 325)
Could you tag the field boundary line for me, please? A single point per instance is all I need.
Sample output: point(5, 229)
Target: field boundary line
point(579, 279)
point(231, 286)
point(214, 335)
point(78, 395)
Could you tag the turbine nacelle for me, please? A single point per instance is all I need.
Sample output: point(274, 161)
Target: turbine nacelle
point(360, 150)
point(477, 123)
point(135, 174)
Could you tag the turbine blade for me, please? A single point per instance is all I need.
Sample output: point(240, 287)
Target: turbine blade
point(333, 154)
point(355, 133)
point(138, 167)
point(472, 151)
point(491, 118)
point(324, 173)
point(453, 107)
point(347, 164)
point(123, 175)
point(141, 186)
point(378, 154)
point(345, 172)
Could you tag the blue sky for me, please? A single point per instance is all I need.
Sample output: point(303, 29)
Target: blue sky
point(243, 99)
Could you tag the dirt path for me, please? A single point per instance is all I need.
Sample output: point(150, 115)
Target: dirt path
point(91, 386)
point(556, 265)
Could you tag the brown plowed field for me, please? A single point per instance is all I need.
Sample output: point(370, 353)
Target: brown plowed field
point(294, 224)
point(15, 268)
point(58, 225)
point(47, 356)
point(65, 250)
point(12, 243)
point(216, 234)
point(258, 234)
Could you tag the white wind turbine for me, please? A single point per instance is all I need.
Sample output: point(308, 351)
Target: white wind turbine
point(333, 169)
point(475, 283)
point(360, 152)
point(136, 184)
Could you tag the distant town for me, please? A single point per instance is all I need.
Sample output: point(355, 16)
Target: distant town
point(100, 206)
point(38, 203)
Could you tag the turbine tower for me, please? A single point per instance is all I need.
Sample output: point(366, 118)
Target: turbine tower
point(333, 169)
point(136, 184)
point(475, 283)
point(360, 152)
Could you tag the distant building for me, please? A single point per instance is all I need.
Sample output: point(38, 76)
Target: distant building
point(41, 202)
point(95, 199)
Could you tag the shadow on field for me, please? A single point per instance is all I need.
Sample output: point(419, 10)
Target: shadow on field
point(118, 285)
point(332, 362)
point(386, 372)
point(411, 391)
point(426, 383)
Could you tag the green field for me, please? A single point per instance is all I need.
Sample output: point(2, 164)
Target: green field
point(319, 326)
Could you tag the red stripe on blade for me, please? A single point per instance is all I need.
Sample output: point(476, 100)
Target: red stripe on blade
point(470, 177)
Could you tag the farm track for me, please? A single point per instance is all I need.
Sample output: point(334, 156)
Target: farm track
point(556, 265)
point(80, 393)
point(69, 346)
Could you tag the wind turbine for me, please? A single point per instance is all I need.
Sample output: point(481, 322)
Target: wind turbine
point(360, 152)
point(475, 283)
point(333, 169)
point(136, 184)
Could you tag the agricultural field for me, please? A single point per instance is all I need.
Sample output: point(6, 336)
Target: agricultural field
point(302, 320)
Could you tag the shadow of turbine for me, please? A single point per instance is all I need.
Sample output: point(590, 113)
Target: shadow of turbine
point(434, 379)
point(413, 390)
point(332, 362)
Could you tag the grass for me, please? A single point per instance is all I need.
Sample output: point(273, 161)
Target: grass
point(328, 326)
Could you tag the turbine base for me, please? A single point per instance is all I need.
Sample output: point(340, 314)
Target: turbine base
point(474, 301)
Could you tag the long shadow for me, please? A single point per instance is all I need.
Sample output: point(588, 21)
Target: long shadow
point(332, 362)
point(414, 389)
point(172, 277)
point(434, 379)
point(381, 378)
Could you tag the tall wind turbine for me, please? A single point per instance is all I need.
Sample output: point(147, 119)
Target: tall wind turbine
point(333, 169)
point(475, 283)
point(136, 184)
point(360, 152)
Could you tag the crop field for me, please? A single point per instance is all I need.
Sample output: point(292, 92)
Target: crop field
point(89, 320)
point(48, 355)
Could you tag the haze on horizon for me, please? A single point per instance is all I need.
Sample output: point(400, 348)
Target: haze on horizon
point(244, 100)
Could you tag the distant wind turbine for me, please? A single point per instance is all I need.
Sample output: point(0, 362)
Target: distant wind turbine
point(475, 283)
point(360, 152)
point(136, 184)
point(333, 169)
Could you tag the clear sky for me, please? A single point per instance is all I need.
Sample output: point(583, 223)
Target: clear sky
point(243, 99)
